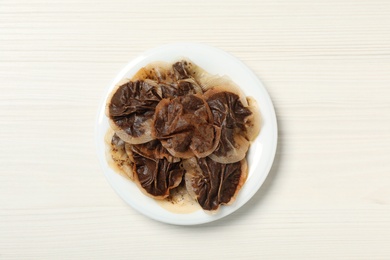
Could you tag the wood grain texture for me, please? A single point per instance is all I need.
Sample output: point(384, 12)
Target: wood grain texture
point(325, 64)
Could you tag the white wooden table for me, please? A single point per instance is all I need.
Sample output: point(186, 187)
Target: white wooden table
point(326, 65)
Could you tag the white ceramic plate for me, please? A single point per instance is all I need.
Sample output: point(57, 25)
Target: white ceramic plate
point(261, 153)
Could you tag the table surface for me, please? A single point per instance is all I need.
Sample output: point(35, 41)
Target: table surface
point(326, 65)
